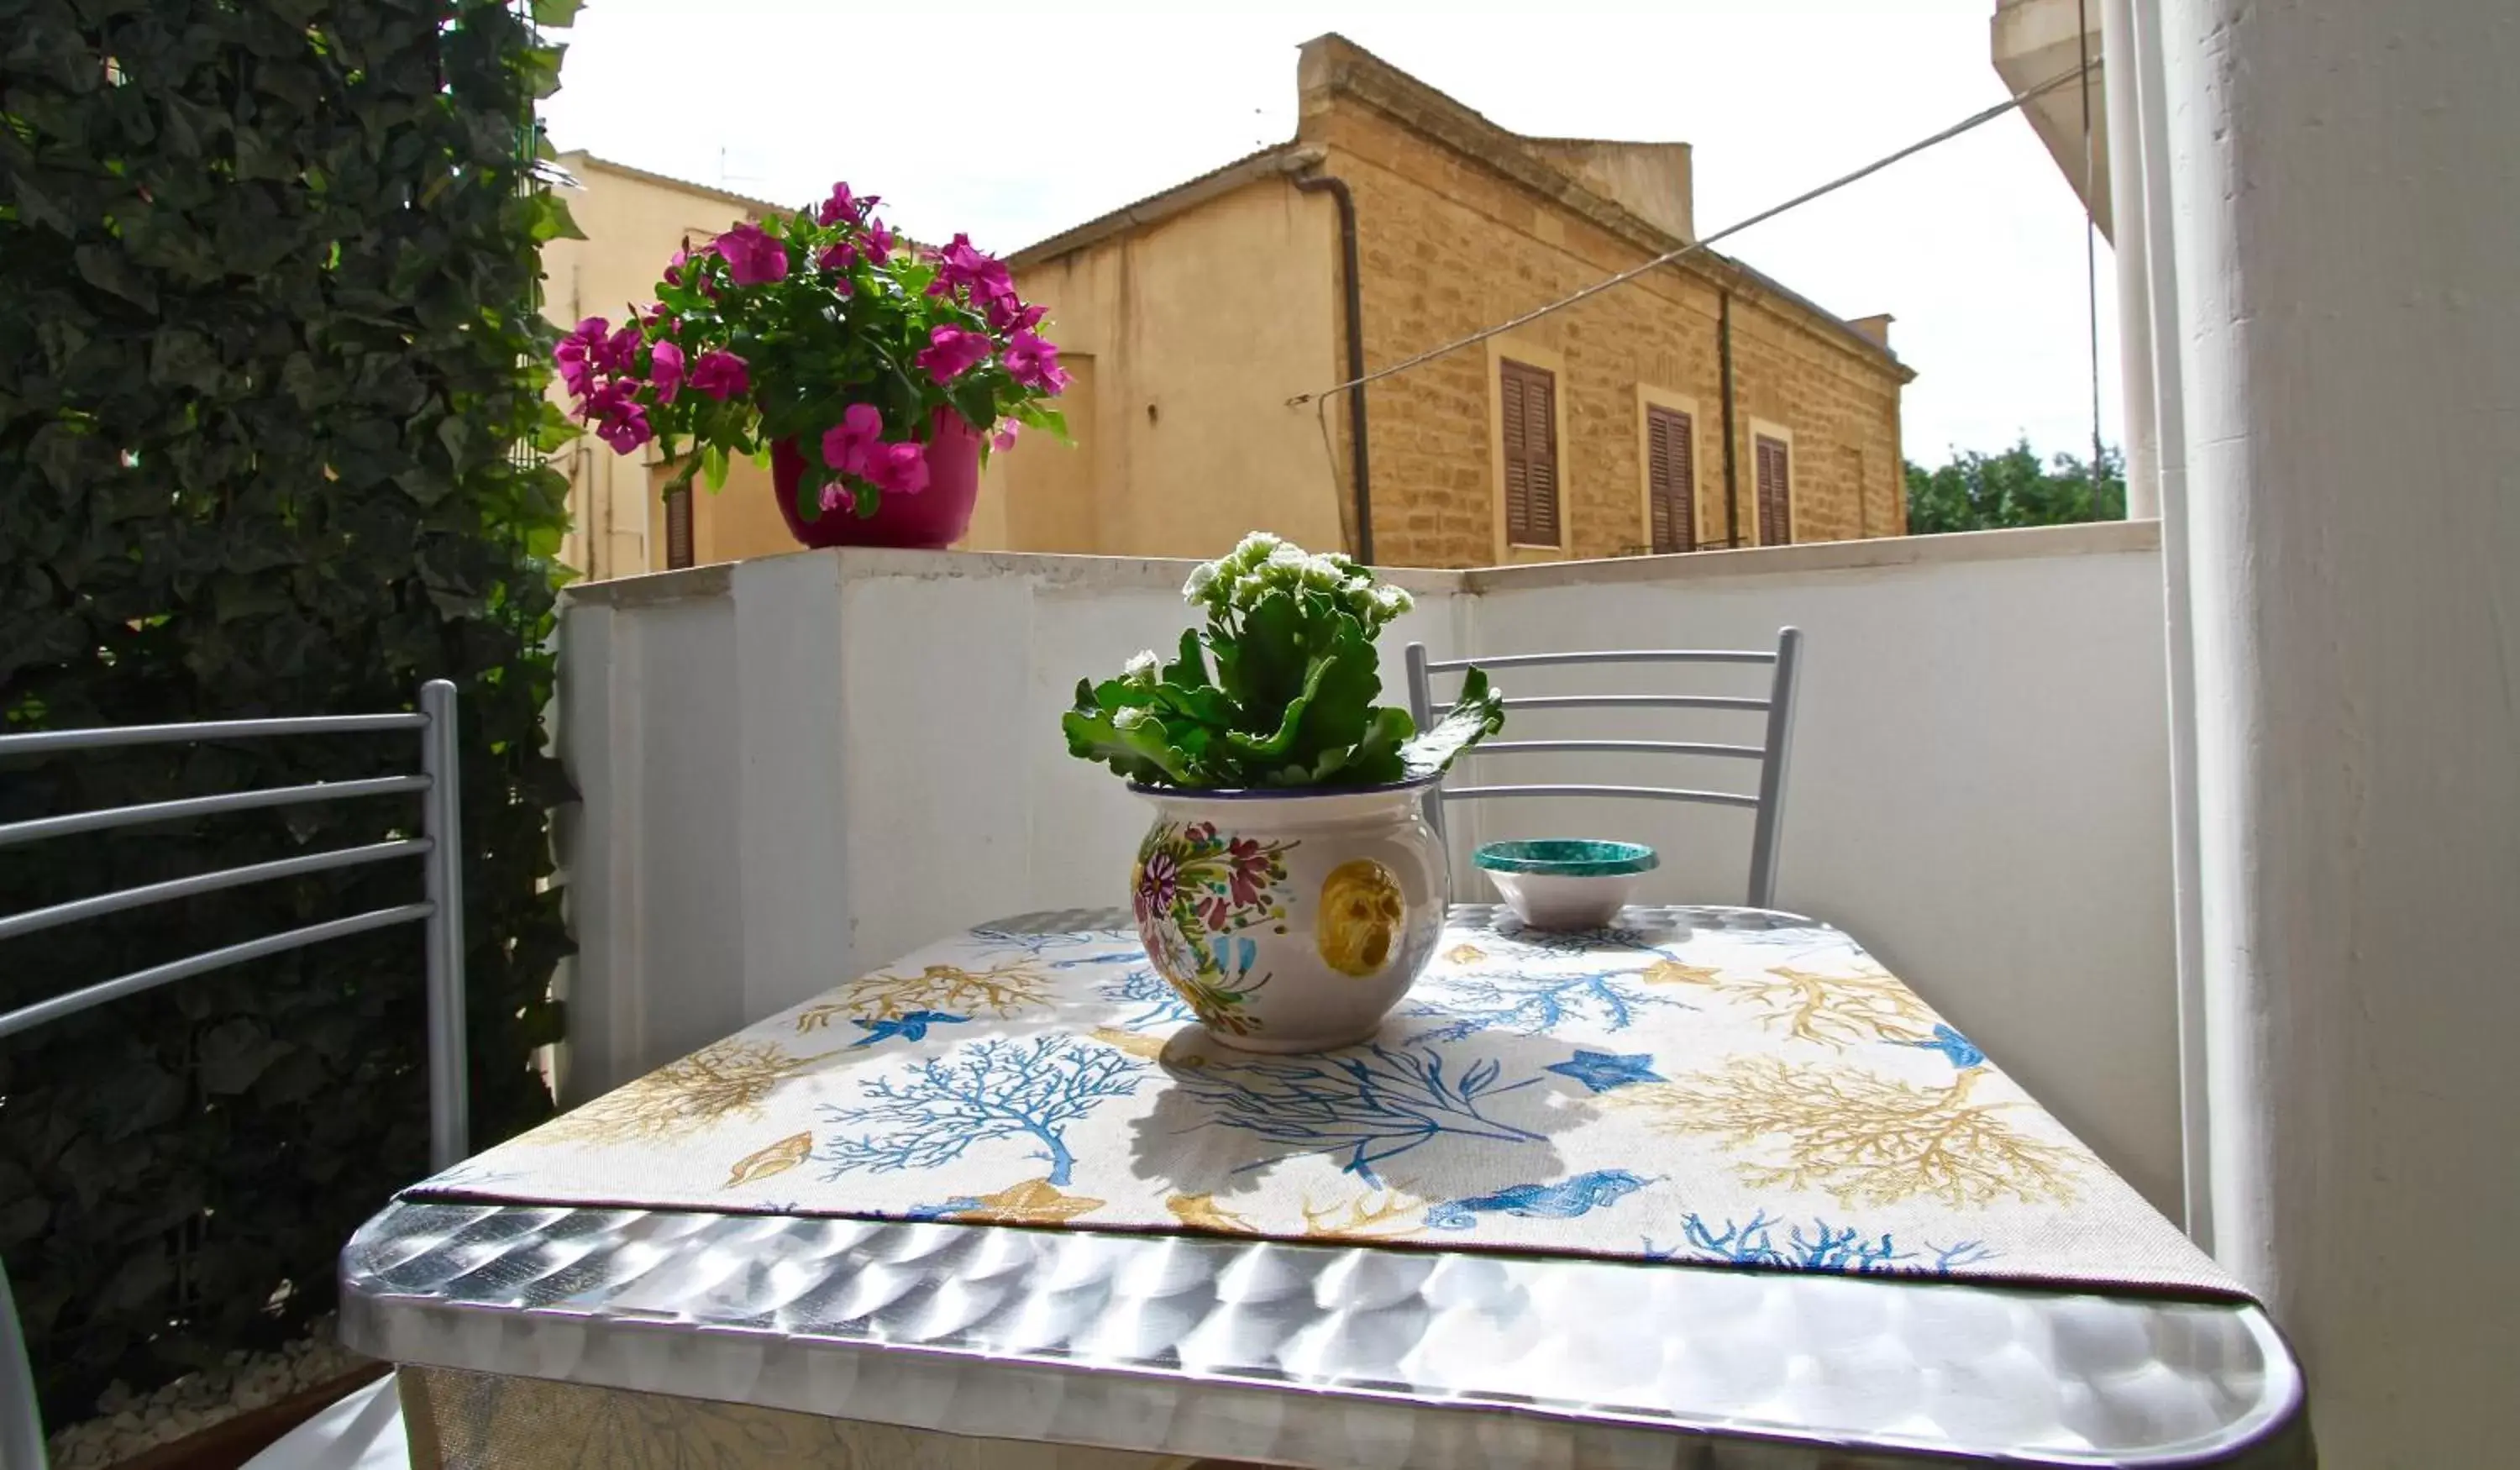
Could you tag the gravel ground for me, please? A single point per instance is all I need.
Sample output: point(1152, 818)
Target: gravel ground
point(127, 1424)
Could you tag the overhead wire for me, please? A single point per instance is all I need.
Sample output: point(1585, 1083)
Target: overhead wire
point(1972, 122)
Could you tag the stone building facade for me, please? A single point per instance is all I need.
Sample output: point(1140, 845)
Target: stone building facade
point(1599, 431)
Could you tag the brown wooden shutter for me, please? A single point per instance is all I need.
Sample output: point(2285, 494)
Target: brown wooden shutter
point(1671, 480)
point(1775, 492)
point(1527, 402)
point(678, 527)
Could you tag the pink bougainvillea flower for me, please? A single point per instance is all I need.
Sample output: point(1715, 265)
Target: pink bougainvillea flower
point(665, 370)
point(960, 266)
point(619, 420)
point(848, 446)
point(721, 374)
point(952, 353)
point(832, 495)
point(878, 241)
point(1002, 437)
point(1034, 363)
point(899, 468)
point(577, 355)
point(752, 257)
point(616, 353)
point(837, 258)
point(844, 205)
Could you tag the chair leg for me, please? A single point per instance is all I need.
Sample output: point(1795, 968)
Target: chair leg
point(22, 1419)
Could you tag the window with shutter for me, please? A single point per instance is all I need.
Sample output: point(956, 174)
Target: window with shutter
point(678, 528)
point(1671, 480)
point(1776, 491)
point(1527, 402)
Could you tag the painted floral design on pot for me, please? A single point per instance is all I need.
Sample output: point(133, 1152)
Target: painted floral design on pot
point(1192, 890)
point(1290, 920)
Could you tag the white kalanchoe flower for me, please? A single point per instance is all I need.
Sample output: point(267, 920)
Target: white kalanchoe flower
point(1128, 717)
point(1392, 601)
point(1140, 669)
point(1201, 578)
point(1253, 549)
point(1319, 573)
point(1289, 557)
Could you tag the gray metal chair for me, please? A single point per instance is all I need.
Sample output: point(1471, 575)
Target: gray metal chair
point(439, 847)
point(1777, 708)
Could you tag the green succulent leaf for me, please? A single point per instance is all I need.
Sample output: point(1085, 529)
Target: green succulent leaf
point(1479, 712)
point(1292, 703)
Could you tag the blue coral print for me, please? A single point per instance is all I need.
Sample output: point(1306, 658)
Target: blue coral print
point(990, 1090)
point(1157, 1003)
point(1845, 1250)
point(1530, 1004)
point(1563, 1200)
point(1366, 1106)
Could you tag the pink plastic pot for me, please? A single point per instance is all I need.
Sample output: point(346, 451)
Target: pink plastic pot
point(932, 519)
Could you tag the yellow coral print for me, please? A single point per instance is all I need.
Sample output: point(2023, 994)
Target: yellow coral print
point(1033, 1202)
point(775, 1158)
point(1466, 954)
point(1865, 1139)
point(723, 1080)
point(1360, 914)
point(1831, 1009)
point(1001, 990)
point(1373, 1215)
point(1201, 1212)
point(1148, 1047)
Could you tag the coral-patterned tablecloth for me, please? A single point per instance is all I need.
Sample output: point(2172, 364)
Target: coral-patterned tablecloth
point(1717, 1086)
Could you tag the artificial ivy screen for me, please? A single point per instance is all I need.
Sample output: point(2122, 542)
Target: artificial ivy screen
point(269, 392)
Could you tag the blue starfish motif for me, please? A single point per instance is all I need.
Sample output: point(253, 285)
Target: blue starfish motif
point(909, 1028)
point(1963, 1051)
point(1559, 1201)
point(1602, 1071)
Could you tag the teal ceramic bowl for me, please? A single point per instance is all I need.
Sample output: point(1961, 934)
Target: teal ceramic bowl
point(1566, 882)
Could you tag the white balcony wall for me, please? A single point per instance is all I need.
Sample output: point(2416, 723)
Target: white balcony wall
point(1978, 788)
point(797, 767)
point(794, 769)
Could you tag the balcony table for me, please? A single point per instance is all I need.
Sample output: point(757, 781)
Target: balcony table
point(553, 1334)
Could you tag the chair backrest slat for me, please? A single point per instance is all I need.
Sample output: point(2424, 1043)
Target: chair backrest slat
point(1768, 803)
point(439, 847)
point(185, 808)
point(1605, 656)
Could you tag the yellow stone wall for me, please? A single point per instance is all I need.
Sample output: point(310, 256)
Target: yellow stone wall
point(1187, 338)
point(1452, 243)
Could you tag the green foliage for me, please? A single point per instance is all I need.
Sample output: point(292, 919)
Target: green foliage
point(269, 392)
point(1292, 703)
point(1978, 492)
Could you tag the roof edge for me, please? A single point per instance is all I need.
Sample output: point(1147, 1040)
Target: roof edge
point(586, 159)
point(1277, 158)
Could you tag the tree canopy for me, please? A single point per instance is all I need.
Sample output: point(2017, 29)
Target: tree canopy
point(1983, 492)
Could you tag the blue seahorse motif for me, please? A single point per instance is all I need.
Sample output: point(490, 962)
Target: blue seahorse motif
point(1563, 1200)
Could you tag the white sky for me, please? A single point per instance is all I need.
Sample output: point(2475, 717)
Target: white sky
point(1014, 122)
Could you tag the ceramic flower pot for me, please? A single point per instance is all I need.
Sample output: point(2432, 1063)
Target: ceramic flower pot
point(932, 519)
point(1290, 920)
